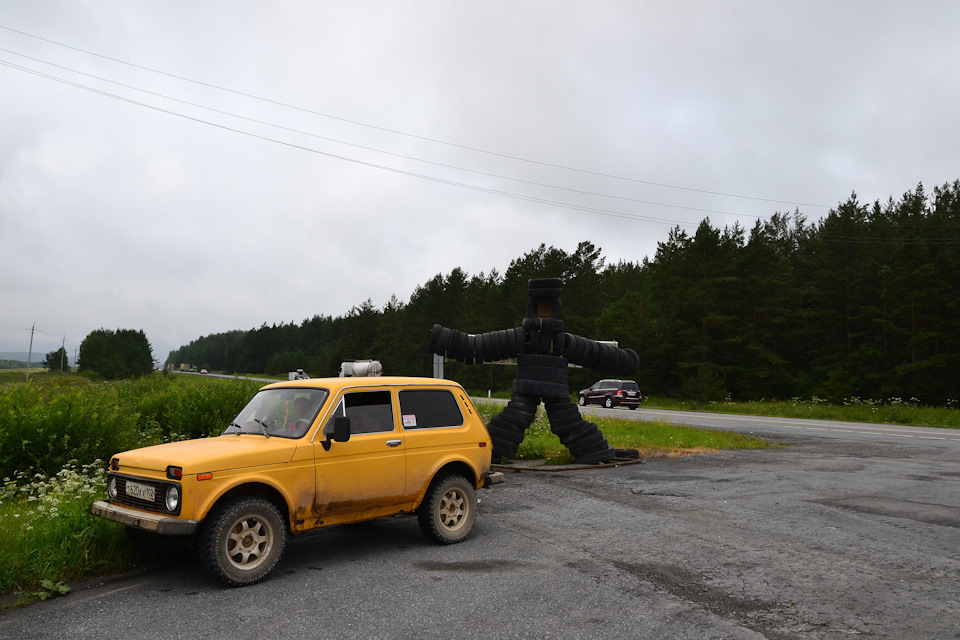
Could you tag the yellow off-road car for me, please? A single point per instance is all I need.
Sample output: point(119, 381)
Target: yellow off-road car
point(305, 454)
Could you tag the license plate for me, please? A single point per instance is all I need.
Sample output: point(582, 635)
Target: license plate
point(142, 491)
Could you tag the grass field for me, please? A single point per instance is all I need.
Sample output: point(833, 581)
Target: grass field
point(885, 411)
point(56, 434)
point(889, 411)
point(650, 438)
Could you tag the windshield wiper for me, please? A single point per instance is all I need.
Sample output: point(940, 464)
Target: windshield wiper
point(263, 426)
point(234, 424)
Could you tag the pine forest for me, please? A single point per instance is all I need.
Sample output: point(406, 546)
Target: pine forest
point(863, 303)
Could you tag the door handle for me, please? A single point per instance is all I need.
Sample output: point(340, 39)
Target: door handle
point(394, 443)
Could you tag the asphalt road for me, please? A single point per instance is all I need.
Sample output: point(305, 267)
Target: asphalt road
point(780, 427)
point(829, 536)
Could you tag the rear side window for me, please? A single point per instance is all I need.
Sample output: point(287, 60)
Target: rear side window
point(429, 409)
point(630, 385)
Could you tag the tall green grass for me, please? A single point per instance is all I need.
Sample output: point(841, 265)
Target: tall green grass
point(56, 433)
point(48, 534)
point(45, 424)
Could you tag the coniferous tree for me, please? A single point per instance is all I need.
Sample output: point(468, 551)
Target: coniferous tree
point(57, 360)
point(119, 354)
point(865, 302)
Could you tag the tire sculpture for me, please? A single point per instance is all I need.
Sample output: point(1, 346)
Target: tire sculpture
point(543, 350)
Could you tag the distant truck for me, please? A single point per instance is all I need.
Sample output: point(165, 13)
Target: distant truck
point(360, 368)
point(297, 375)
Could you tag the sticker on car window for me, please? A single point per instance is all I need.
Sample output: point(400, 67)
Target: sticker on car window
point(410, 420)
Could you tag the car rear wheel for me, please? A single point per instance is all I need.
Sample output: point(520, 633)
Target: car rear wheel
point(448, 510)
point(608, 402)
point(242, 541)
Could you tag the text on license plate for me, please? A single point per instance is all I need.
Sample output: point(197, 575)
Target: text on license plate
point(142, 491)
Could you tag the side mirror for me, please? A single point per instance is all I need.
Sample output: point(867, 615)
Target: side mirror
point(341, 432)
point(341, 429)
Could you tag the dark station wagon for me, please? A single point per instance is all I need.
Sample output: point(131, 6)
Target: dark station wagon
point(612, 393)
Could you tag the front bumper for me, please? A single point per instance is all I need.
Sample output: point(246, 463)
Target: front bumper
point(155, 522)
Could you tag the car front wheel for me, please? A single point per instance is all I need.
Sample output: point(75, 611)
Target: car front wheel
point(242, 541)
point(448, 510)
point(583, 401)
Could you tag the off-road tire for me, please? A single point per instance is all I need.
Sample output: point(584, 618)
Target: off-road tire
point(449, 509)
point(242, 541)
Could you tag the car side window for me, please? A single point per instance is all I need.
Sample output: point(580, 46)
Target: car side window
point(429, 409)
point(369, 412)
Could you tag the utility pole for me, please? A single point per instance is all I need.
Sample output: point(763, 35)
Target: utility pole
point(32, 330)
point(63, 352)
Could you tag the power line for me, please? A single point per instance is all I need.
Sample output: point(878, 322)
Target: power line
point(412, 135)
point(368, 148)
point(619, 214)
point(565, 205)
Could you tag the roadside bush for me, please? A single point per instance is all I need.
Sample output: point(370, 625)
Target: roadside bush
point(49, 535)
point(45, 425)
point(181, 408)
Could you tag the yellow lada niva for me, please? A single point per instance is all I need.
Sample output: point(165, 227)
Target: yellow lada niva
point(305, 454)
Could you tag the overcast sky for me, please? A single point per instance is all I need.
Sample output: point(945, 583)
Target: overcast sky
point(188, 168)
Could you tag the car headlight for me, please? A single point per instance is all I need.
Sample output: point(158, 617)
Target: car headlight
point(172, 498)
point(112, 488)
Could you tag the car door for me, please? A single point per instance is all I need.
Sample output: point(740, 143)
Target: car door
point(434, 432)
point(365, 476)
point(595, 392)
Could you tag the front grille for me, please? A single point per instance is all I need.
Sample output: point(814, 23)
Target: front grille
point(139, 503)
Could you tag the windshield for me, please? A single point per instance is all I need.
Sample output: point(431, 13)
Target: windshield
point(287, 413)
